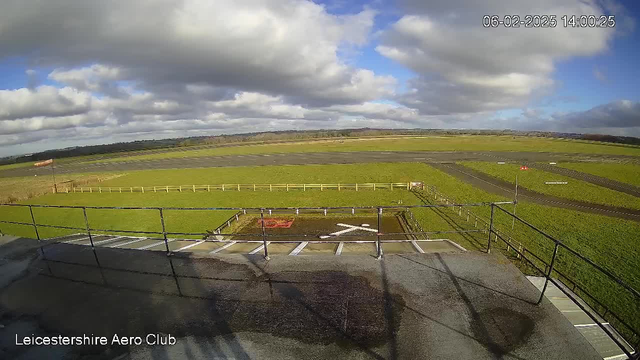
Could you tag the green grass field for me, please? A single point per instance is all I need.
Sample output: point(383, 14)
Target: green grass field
point(610, 242)
point(534, 179)
point(430, 143)
point(626, 173)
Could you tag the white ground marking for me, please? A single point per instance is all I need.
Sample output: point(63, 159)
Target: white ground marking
point(76, 240)
point(222, 247)
point(299, 248)
point(154, 244)
point(108, 240)
point(417, 247)
point(339, 249)
point(354, 227)
point(365, 225)
point(190, 246)
point(258, 249)
point(593, 324)
point(616, 357)
point(128, 242)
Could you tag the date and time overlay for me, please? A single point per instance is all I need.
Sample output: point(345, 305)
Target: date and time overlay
point(549, 21)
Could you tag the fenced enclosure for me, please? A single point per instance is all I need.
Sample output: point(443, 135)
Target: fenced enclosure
point(170, 229)
point(613, 304)
point(247, 187)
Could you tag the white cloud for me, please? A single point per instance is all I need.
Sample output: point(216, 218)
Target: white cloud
point(464, 67)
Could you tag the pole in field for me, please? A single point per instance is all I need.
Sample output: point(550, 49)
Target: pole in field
point(513, 223)
point(53, 171)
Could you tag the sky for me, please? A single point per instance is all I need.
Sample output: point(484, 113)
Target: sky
point(75, 72)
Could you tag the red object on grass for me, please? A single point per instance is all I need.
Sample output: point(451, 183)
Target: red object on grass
point(275, 223)
point(523, 167)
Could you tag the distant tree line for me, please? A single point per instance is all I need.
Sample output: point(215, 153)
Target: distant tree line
point(116, 149)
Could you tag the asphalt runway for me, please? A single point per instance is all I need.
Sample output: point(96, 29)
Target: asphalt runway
point(504, 188)
point(312, 158)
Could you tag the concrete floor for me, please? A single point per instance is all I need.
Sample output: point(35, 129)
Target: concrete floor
point(419, 306)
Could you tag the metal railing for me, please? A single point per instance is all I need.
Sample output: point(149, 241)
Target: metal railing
point(244, 187)
point(633, 334)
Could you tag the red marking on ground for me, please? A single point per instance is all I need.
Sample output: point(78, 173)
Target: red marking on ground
point(275, 223)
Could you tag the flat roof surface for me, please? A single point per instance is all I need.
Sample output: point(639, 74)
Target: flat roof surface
point(423, 306)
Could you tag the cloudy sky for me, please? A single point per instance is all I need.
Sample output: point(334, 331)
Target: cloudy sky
point(76, 72)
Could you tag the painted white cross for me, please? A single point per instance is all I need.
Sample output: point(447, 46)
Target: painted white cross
point(349, 228)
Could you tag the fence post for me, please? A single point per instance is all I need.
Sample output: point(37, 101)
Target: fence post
point(121, 190)
point(304, 187)
point(35, 227)
point(222, 187)
point(194, 188)
point(86, 222)
point(164, 231)
point(264, 235)
point(238, 187)
point(548, 275)
point(270, 188)
point(131, 189)
point(254, 187)
point(154, 189)
point(100, 189)
point(142, 189)
point(391, 186)
point(490, 229)
point(181, 188)
point(208, 188)
point(379, 246)
point(374, 186)
point(167, 188)
point(356, 186)
point(338, 186)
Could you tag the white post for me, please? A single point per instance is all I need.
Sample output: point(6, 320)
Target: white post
point(180, 188)
point(167, 188)
point(222, 187)
point(120, 190)
point(270, 188)
point(209, 188)
point(194, 188)
point(238, 187)
point(254, 187)
point(287, 187)
point(142, 188)
point(131, 189)
point(154, 189)
point(356, 186)
point(338, 186)
point(304, 187)
point(374, 186)
point(100, 189)
point(391, 186)
point(321, 188)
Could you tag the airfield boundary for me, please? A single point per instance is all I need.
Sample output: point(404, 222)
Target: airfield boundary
point(247, 187)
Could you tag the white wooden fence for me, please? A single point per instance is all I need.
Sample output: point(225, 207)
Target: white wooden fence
point(247, 187)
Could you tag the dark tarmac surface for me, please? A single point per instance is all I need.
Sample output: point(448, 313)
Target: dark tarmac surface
point(504, 188)
point(421, 306)
point(312, 158)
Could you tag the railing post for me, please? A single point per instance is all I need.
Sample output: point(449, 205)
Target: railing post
point(548, 275)
point(35, 227)
point(379, 246)
point(164, 231)
point(490, 229)
point(86, 222)
point(264, 235)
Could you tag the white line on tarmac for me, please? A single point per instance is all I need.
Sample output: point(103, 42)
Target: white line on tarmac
point(353, 227)
point(594, 324)
point(222, 248)
point(106, 241)
point(417, 247)
point(190, 246)
point(154, 244)
point(75, 240)
point(339, 249)
point(258, 249)
point(128, 242)
point(299, 248)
